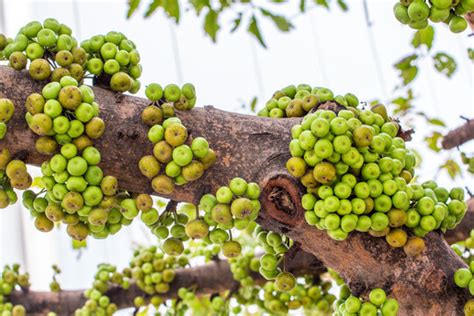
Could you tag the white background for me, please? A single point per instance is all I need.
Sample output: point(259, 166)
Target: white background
point(325, 49)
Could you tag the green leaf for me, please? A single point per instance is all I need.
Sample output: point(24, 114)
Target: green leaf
point(155, 4)
point(403, 103)
point(406, 62)
point(408, 70)
point(76, 244)
point(452, 167)
point(255, 30)
point(437, 122)
point(280, 21)
point(343, 5)
point(253, 104)
point(211, 25)
point(432, 121)
point(172, 9)
point(302, 6)
point(470, 54)
point(409, 74)
point(423, 37)
point(199, 5)
point(444, 64)
point(433, 141)
point(323, 3)
point(132, 7)
point(237, 22)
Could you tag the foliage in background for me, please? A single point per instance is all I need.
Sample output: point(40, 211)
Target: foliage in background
point(246, 13)
point(250, 13)
point(408, 69)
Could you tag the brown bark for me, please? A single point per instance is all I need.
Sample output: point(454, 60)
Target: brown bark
point(462, 231)
point(257, 149)
point(213, 277)
point(459, 136)
point(470, 19)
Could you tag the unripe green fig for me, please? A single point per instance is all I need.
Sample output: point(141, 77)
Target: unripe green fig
point(418, 11)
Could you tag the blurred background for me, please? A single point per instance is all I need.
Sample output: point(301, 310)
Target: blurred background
point(350, 51)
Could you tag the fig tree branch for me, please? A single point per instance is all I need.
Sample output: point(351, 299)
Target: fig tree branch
point(256, 149)
point(459, 136)
point(213, 277)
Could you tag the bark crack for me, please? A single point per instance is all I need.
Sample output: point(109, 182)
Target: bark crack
point(282, 200)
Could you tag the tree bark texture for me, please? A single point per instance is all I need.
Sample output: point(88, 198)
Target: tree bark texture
point(256, 149)
point(459, 136)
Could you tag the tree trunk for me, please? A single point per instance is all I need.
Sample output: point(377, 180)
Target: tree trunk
point(257, 149)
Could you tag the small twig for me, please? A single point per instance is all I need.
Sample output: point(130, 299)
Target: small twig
point(469, 192)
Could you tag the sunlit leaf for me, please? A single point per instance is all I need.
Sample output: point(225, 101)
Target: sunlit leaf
point(408, 69)
point(155, 4)
point(403, 104)
point(452, 167)
point(423, 37)
point(437, 122)
point(302, 5)
point(132, 7)
point(445, 64)
point(433, 141)
point(211, 25)
point(237, 21)
point(198, 5)
point(343, 5)
point(323, 3)
point(254, 29)
point(78, 244)
point(253, 104)
point(431, 120)
point(172, 9)
point(280, 21)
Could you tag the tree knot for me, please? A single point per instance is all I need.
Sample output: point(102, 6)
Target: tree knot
point(281, 200)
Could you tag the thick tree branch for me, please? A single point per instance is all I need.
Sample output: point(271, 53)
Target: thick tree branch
point(462, 231)
point(214, 277)
point(459, 136)
point(257, 149)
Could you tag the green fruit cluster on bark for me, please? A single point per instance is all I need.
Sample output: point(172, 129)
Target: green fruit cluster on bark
point(177, 159)
point(113, 59)
point(13, 172)
point(358, 175)
point(12, 279)
point(48, 50)
point(377, 304)
point(309, 294)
